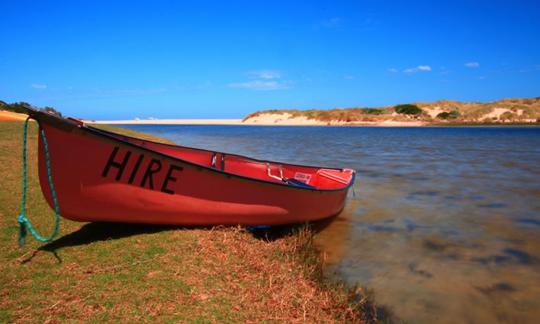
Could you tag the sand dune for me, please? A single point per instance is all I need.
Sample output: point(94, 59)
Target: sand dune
point(286, 119)
point(9, 116)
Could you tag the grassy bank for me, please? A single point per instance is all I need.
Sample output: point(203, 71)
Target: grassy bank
point(120, 272)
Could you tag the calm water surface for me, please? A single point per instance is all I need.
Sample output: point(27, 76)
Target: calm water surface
point(444, 224)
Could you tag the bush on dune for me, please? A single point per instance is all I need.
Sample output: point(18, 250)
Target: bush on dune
point(526, 109)
point(449, 115)
point(17, 107)
point(373, 111)
point(408, 109)
point(508, 116)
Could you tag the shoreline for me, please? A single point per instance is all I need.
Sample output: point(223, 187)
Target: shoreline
point(11, 116)
point(166, 122)
point(239, 122)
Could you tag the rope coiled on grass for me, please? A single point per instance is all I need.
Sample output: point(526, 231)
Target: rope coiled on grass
point(24, 223)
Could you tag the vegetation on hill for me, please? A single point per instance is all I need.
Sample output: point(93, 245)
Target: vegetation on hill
point(519, 110)
point(337, 114)
point(19, 107)
point(408, 109)
point(449, 115)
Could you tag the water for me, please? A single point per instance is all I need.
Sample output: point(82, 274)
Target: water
point(445, 223)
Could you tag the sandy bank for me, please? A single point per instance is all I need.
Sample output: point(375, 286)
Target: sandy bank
point(260, 120)
point(287, 119)
point(168, 122)
point(281, 119)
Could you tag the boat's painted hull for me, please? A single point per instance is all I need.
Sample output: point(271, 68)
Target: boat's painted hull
point(100, 178)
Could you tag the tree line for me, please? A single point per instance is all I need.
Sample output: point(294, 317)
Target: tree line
point(20, 107)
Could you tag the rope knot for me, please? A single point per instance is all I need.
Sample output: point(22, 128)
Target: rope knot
point(22, 219)
point(22, 229)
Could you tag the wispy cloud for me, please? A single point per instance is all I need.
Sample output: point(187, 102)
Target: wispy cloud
point(261, 85)
point(265, 74)
point(368, 24)
point(333, 22)
point(533, 68)
point(349, 77)
point(393, 70)
point(263, 80)
point(444, 71)
point(134, 92)
point(38, 86)
point(472, 65)
point(419, 68)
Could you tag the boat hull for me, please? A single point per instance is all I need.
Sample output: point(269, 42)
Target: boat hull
point(100, 178)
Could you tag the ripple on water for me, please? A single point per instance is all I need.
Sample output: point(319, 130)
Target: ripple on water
point(529, 222)
point(507, 256)
point(492, 205)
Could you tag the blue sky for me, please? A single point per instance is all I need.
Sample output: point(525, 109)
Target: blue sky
point(225, 59)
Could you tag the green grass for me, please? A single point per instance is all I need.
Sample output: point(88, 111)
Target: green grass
point(96, 272)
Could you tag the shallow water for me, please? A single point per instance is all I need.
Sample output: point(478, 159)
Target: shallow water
point(444, 225)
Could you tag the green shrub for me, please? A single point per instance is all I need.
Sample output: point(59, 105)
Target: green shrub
point(372, 111)
point(449, 115)
point(443, 115)
point(454, 114)
point(408, 109)
point(19, 107)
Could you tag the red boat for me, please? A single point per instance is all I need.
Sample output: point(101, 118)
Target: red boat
point(104, 176)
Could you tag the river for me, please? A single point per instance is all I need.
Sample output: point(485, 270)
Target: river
point(443, 223)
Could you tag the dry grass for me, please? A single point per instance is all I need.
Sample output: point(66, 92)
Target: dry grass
point(337, 114)
point(475, 111)
point(121, 272)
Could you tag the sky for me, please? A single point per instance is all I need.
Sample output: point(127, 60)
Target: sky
point(225, 59)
